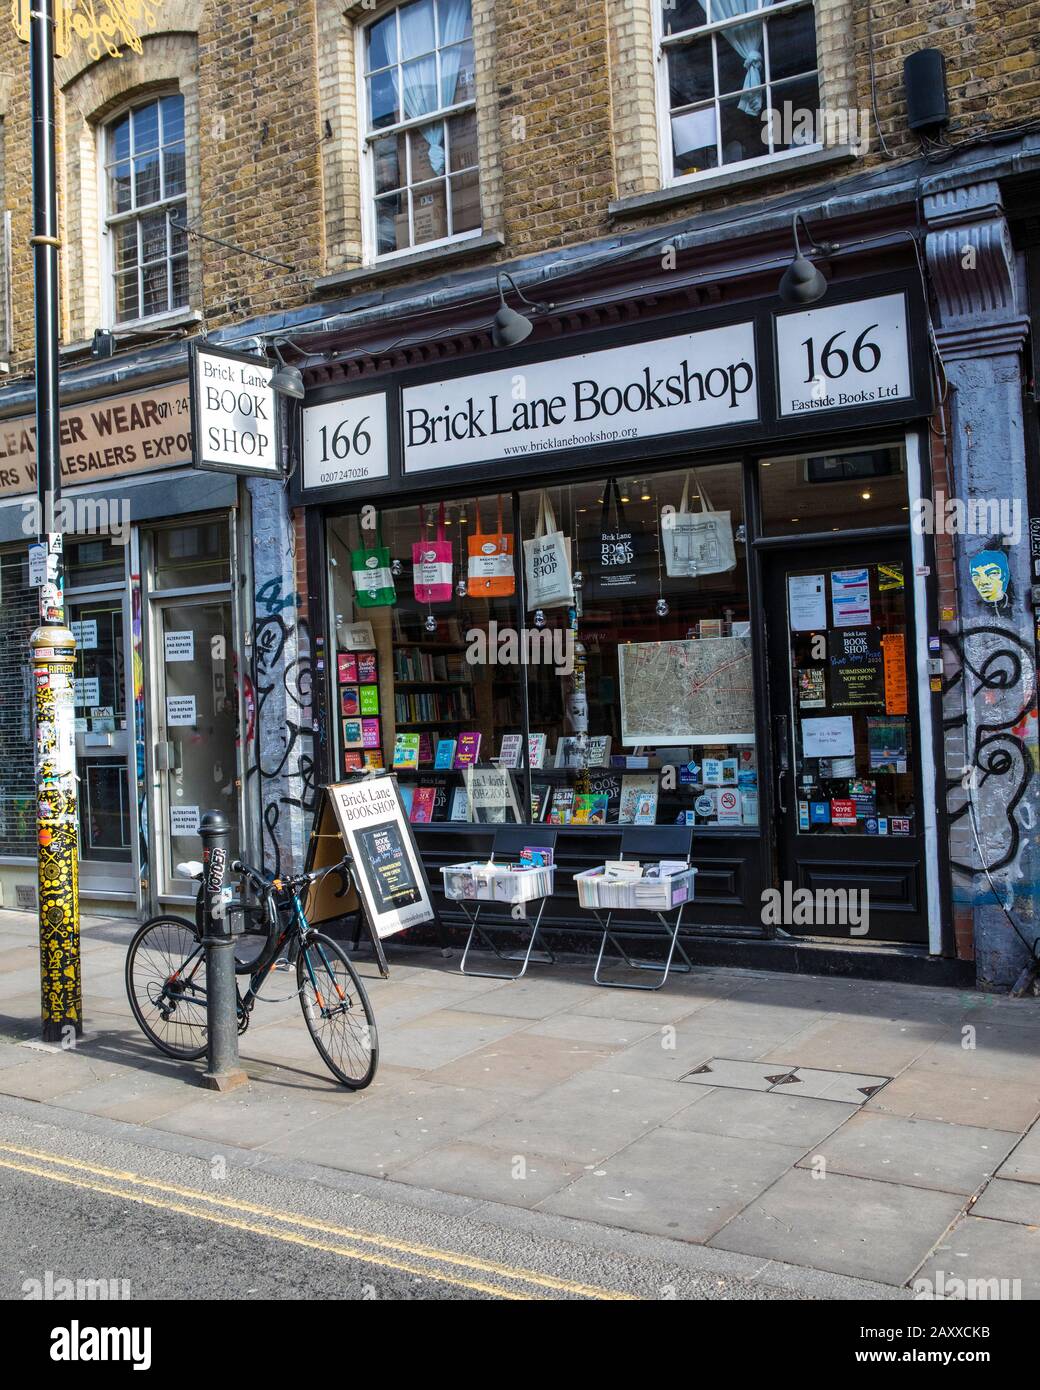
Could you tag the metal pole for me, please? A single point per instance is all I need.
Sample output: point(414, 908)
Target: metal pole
point(223, 1072)
point(52, 644)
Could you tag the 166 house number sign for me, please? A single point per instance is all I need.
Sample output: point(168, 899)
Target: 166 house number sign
point(843, 356)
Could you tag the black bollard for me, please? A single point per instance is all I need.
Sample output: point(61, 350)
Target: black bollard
point(223, 1072)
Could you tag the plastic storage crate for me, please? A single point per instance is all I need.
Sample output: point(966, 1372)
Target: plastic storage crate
point(499, 883)
point(637, 894)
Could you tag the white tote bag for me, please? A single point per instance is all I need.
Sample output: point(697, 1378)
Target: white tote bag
point(547, 562)
point(696, 543)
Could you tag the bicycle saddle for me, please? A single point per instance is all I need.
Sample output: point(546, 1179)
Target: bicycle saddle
point(191, 868)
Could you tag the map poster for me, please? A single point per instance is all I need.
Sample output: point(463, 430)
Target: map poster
point(698, 691)
point(387, 870)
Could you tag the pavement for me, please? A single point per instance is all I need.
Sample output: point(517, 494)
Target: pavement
point(737, 1134)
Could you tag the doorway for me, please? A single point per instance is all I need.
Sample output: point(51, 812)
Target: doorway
point(846, 754)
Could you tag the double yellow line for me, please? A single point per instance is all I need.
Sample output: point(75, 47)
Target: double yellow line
point(424, 1261)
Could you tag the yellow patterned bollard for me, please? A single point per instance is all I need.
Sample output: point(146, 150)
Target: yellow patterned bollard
point(57, 831)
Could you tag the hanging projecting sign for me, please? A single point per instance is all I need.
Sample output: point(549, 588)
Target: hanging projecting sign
point(843, 356)
point(234, 412)
point(695, 381)
point(345, 441)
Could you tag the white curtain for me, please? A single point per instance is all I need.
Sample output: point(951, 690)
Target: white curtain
point(419, 97)
point(748, 44)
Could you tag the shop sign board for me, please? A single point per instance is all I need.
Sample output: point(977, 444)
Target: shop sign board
point(102, 439)
point(843, 356)
point(388, 872)
point(235, 412)
point(345, 441)
point(694, 381)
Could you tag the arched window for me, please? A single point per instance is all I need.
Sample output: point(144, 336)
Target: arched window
point(144, 200)
point(418, 70)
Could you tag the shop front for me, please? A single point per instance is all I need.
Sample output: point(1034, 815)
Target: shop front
point(149, 550)
point(655, 575)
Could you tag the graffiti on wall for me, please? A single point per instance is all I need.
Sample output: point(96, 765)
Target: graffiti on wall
point(989, 697)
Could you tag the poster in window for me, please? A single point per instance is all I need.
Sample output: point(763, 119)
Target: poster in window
point(388, 872)
point(856, 668)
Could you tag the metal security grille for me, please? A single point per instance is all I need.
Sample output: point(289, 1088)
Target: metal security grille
point(18, 617)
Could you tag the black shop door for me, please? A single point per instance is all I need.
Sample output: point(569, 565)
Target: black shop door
point(845, 743)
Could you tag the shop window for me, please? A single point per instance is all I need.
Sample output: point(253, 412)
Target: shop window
point(852, 489)
point(739, 82)
point(419, 91)
point(93, 560)
point(191, 556)
point(145, 209)
point(619, 691)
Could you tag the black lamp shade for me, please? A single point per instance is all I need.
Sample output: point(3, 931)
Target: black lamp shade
point(509, 328)
point(288, 381)
point(802, 283)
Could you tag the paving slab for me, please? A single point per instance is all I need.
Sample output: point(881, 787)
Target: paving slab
point(1010, 1201)
point(990, 1102)
point(490, 1174)
point(741, 1075)
point(916, 1153)
point(857, 1046)
point(586, 1118)
point(383, 1133)
point(674, 1183)
point(441, 1037)
point(672, 1050)
point(522, 1064)
point(527, 998)
point(138, 1098)
point(746, 1018)
point(1024, 1160)
point(249, 1117)
point(775, 1117)
point(645, 1006)
point(855, 1226)
point(617, 1033)
point(996, 1252)
point(49, 1075)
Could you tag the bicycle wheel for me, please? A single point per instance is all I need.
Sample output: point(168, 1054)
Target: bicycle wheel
point(166, 986)
point(337, 1012)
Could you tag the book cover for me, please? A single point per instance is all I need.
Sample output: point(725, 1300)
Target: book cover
point(421, 812)
point(590, 809)
point(406, 750)
point(374, 759)
point(569, 751)
point(634, 791)
point(407, 794)
point(512, 747)
point(370, 699)
point(445, 753)
point(539, 799)
point(352, 734)
point(425, 749)
point(646, 809)
point(370, 733)
point(346, 665)
point(459, 804)
point(350, 701)
point(352, 761)
point(536, 746)
point(561, 807)
point(599, 751)
point(366, 666)
point(467, 750)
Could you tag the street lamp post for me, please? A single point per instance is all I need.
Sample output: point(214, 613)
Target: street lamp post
point(106, 28)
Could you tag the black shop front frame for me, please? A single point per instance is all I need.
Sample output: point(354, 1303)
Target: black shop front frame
point(738, 860)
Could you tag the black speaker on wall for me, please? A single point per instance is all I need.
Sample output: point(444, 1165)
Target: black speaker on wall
point(924, 79)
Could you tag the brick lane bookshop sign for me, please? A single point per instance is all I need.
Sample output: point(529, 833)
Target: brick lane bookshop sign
point(695, 381)
point(102, 440)
point(234, 412)
point(843, 356)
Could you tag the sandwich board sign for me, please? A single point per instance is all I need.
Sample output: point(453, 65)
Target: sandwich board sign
point(367, 817)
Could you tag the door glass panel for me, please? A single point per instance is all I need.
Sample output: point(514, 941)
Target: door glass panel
point(199, 724)
point(852, 745)
point(101, 734)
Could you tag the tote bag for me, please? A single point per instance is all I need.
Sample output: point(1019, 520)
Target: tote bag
point(373, 582)
point(431, 563)
point(489, 572)
point(547, 562)
point(621, 557)
point(697, 543)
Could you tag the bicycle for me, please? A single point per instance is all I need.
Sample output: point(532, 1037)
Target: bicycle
point(166, 975)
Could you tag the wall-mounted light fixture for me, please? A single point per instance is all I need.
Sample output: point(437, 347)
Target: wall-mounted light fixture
point(510, 327)
point(802, 283)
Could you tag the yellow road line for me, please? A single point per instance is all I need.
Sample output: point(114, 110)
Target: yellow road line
point(345, 1252)
point(396, 1247)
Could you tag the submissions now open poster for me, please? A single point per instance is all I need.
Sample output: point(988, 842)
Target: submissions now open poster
point(387, 869)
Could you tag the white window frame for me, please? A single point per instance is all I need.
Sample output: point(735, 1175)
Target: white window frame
point(370, 241)
point(107, 220)
point(663, 42)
